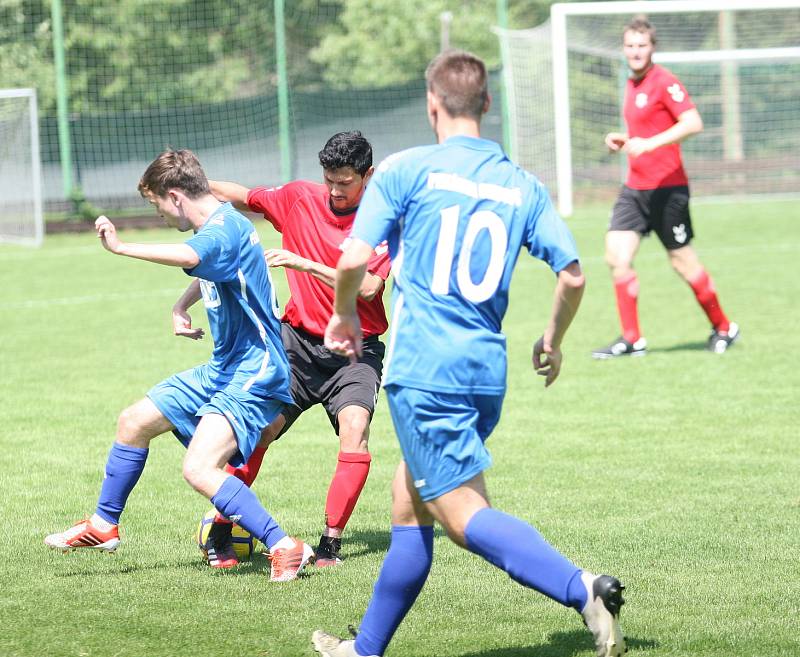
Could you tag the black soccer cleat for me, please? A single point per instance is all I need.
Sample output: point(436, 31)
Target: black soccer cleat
point(601, 613)
point(719, 342)
point(621, 347)
point(219, 551)
point(328, 551)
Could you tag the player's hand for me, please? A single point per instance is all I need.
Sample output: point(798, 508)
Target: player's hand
point(284, 258)
point(107, 233)
point(343, 336)
point(615, 141)
point(546, 361)
point(637, 146)
point(182, 325)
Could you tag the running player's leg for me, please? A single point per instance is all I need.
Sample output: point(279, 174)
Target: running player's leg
point(403, 573)
point(628, 224)
point(213, 445)
point(676, 233)
point(349, 395)
point(442, 438)
point(136, 427)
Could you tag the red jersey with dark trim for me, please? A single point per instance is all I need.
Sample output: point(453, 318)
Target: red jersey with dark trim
point(300, 212)
point(653, 104)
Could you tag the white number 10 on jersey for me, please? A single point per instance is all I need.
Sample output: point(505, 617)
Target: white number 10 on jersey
point(445, 254)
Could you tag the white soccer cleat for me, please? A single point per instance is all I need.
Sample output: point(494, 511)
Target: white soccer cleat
point(84, 535)
point(601, 613)
point(328, 645)
point(288, 562)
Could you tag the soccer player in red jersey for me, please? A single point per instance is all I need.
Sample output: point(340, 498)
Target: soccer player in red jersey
point(314, 220)
point(659, 114)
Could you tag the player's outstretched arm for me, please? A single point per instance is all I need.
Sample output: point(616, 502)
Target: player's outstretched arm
point(181, 320)
point(371, 285)
point(566, 299)
point(174, 255)
point(230, 192)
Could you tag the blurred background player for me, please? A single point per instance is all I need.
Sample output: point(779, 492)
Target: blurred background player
point(315, 220)
point(217, 410)
point(659, 114)
point(461, 211)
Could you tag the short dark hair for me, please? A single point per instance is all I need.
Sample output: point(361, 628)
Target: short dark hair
point(459, 79)
point(639, 23)
point(175, 169)
point(347, 149)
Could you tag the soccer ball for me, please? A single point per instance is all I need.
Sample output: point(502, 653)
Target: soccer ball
point(244, 543)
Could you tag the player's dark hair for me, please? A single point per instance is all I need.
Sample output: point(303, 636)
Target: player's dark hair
point(175, 169)
point(347, 149)
point(639, 23)
point(459, 80)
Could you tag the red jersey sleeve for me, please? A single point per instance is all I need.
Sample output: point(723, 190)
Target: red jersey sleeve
point(674, 96)
point(379, 263)
point(274, 203)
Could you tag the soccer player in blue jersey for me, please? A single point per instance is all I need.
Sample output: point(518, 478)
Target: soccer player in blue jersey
point(217, 410)
point(456, 215)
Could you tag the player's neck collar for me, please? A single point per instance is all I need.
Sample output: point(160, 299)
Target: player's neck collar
point(341, 213)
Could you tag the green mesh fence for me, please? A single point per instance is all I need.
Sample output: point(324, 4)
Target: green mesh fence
point(203, 74)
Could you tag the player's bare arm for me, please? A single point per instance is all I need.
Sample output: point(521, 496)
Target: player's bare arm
point(173, 255)
point(547, 355)
point(689, 123)
point(230, 192)
point(181, 320)
point(371, 285)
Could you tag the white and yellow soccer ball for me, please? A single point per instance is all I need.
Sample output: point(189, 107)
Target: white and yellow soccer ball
point(244, 543)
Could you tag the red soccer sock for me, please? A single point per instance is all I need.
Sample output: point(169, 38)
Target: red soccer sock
point(249, 471)
point(703, 288)
point(348, 480)
point(627, 290)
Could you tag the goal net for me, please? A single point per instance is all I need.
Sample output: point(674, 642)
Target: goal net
point(20, 186)
point(739, 60)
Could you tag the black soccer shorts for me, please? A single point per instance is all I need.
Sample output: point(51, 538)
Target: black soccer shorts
point(322, 377)
point(664, 211)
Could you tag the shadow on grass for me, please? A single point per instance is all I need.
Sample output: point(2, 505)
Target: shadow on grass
point(686, 346)
point(560, 644)
point(358, 543)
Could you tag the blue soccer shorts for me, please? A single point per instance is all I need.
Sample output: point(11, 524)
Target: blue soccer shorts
point(442, 435)
point(186, 397)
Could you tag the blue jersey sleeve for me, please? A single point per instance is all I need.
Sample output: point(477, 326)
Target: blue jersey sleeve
point(547, 236)
point(381, 207)
point(219, 257)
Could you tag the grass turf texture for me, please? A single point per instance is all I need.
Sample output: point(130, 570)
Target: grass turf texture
point(677, 472)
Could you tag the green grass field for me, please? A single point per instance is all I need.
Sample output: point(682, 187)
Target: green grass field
point(678, 472)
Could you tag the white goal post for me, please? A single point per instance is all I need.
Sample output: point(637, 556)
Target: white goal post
point(739, 59)
point(21, 219)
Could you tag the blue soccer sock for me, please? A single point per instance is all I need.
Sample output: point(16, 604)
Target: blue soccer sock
point(517, 548)
point(123, 469)
point(403, 574)
point(236, 501)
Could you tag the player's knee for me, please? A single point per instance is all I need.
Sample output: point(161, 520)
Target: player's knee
point(129, 427)
point(455, 531)
point(194, 472)
point(354, 432)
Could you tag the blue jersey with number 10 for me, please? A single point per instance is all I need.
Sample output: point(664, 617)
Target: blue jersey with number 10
point(455, 216)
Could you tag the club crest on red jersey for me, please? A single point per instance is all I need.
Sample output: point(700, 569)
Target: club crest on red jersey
point(677, 94)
